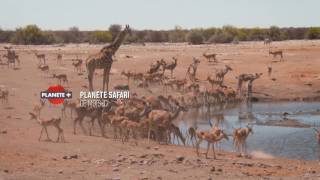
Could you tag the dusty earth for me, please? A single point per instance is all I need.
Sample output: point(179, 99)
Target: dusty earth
point(22, 156)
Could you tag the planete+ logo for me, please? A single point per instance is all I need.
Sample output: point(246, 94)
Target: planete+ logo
point(56, 94)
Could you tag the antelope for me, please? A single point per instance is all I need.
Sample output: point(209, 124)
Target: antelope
point(160, 120)
point(269, 69)
point(55, 122)
point(276, 53)
point(77, 64)
point(130, 128)
point(38, 107)
point(213, 81)
point(59, 58)
point(192, 69)
point(211, 138)
point(192, 135)
point(41, 57)
point(68, 104)
point(127, 74)
point(12, 57)
point(121, 87)
point(221, 73)
point(137, 76)
point(240, 136)
point(4, 95)
point(267, 41)
point(318, 135)
point(176, 134)
point(92, 113)
point(44, 68)
point(210, 56)
point(61, 78)
point(170, 66)
point(154, 67)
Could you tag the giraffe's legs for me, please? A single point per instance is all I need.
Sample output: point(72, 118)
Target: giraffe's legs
point(108, 77)
point(90, 78)
point(104, 78)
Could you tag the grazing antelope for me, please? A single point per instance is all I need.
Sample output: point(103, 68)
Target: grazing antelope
point(55, 122)
point(61, 78)
point(44, 68)
point(276, 53)
point(211, 138)
point(240, 136)
point(210, 56)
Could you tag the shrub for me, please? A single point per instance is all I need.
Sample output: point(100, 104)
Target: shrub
point(155, 36)
point(177, 35)
point(30, 34)
point(257, 34)
point(208, 33)
point(313, 33)
point(275, 33)
point(100, 37)
point(114, 29)
point(221, 37)
point(195, 37)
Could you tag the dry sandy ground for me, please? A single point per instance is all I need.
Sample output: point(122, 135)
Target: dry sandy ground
point(23, 157)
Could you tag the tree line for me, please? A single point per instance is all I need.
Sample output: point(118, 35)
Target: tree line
point(32, 34)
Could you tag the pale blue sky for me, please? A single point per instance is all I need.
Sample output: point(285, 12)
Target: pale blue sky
point(158, 14)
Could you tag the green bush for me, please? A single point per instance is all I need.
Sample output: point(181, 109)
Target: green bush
point(275, 33)
point(155, 36)
point(101, 37)
point(222, 37)
point(177, 35)
point(195, 37)
point(257, 34)
point(30, 34)
point(313, 33)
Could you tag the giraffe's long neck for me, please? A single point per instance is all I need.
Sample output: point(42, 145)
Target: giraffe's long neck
point(114, 46)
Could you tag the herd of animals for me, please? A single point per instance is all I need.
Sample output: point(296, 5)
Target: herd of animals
point(151, 117)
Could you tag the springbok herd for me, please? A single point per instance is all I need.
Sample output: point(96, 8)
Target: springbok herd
point(151, 116)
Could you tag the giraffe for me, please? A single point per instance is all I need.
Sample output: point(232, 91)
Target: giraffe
point(104, 59)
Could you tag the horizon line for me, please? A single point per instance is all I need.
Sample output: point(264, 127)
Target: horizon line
point(152, 29)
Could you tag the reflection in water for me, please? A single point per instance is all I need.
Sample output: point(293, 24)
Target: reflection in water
point(297, 143)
